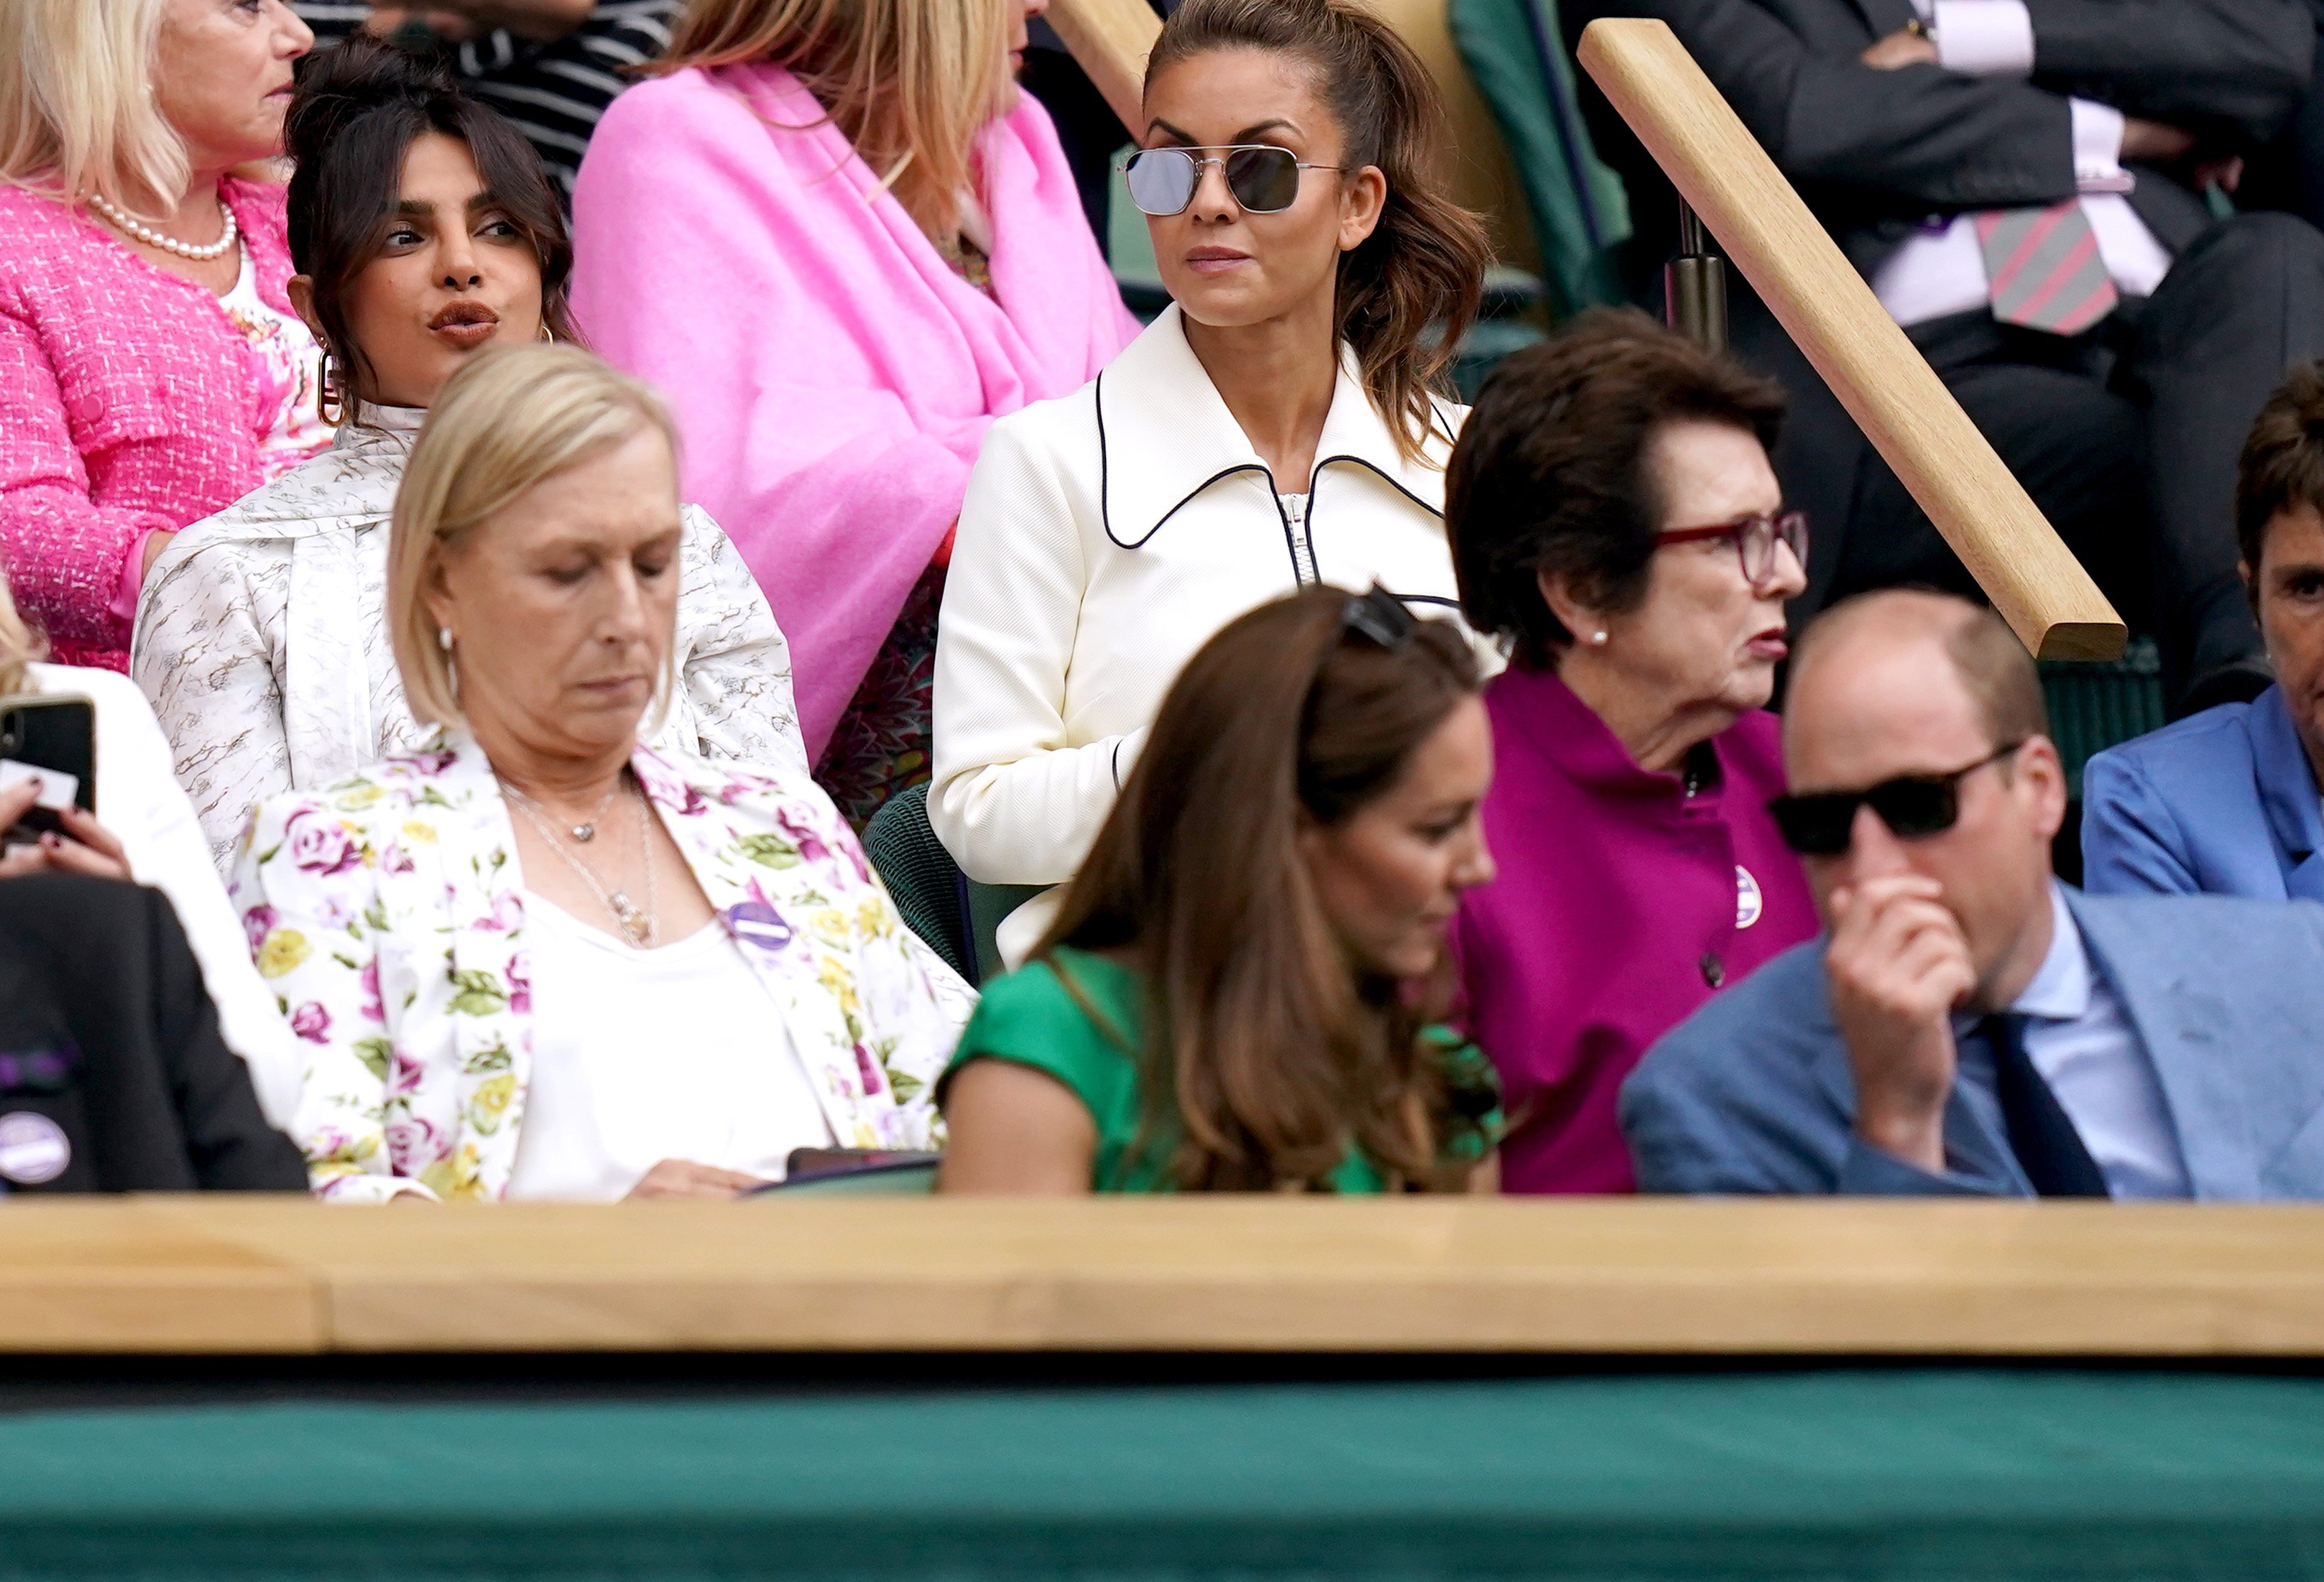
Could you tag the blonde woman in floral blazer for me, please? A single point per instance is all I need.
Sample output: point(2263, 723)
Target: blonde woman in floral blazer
point(386, 913)
point(536, 957)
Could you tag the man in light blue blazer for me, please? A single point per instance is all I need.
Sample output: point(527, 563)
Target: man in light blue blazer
point(1966, 1025)
point(2223, 803)
point(2226, 803)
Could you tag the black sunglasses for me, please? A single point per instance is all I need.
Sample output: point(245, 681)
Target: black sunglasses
point(1822, 824)
point(1264, 178)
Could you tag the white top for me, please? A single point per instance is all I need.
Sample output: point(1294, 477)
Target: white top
point(1106, 535)
point(262, 639)
point(1941, 270)
point(2080, 1039)
point(639, 1056)
point(138, 799)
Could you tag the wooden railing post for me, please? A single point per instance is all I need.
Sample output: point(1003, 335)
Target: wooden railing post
point(1724, 176)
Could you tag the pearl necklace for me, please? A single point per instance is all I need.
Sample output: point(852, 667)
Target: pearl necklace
point(153, 238)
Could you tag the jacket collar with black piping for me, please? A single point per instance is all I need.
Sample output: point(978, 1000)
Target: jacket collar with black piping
point(1165, 435)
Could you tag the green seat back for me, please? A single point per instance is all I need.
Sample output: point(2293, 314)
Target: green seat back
point(1516, 53)
point(2094, 707)
point(921, 876)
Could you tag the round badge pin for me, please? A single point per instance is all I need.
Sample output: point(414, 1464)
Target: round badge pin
point(1748, 902)
point(34, 1149)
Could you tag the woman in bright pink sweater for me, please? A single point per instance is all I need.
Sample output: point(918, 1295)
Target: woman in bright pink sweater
point(151, 370)
point(840, 242)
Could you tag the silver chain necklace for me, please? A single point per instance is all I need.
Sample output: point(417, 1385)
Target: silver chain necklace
point(638, 926)
point(586, 831)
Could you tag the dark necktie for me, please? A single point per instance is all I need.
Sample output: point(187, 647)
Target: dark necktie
point(2040, 1134)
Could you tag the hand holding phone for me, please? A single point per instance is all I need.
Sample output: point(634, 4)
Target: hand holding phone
point(78, 845)
point(47, 790)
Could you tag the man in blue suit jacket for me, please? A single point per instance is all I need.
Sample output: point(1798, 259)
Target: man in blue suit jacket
point(2220, 803)
point(2225, 803)
point(1968, 1025)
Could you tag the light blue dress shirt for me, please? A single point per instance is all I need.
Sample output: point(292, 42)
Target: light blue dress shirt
point(2081, 1041)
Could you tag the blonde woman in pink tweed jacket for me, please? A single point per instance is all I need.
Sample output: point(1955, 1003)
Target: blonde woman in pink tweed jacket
point(152, 371)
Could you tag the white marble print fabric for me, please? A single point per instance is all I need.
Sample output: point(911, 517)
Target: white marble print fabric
point(262, 639)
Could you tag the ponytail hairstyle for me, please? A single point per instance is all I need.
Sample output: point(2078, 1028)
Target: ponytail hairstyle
point(1409, 292)
point(358, 107)
point(1267, 1054)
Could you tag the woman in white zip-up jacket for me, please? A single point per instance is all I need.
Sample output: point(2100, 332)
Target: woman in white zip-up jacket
point(1277, 426)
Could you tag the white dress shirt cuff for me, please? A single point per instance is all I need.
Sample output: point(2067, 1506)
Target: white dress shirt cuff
point(1984, 37)
point(2097, 147)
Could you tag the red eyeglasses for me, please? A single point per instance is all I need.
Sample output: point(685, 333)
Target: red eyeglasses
point(1755, 538)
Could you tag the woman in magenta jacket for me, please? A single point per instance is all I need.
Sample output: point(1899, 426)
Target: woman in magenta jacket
point(1614, 518)
point(151, 368)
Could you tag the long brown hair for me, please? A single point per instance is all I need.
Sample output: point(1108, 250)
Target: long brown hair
point(910, 84)
point(1409, 292)
point(1267, 1054)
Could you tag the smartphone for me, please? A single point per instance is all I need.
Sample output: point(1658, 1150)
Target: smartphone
point(56, 732)
point(807, 1163)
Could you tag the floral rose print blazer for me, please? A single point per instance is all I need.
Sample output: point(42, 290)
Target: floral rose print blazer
point(387, 914)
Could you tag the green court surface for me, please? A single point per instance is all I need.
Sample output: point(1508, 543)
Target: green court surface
point(1909, 1474)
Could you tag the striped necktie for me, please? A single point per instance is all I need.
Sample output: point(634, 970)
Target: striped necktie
point(2044, 267)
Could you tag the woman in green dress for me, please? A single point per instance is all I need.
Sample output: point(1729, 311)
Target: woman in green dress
point(1242, 990)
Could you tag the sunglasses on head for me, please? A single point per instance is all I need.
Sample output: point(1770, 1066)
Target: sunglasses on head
point(1380, 616)
point(1822, 824)
point(1264, 178)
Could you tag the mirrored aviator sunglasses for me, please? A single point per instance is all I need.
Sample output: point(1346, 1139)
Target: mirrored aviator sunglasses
point(1913, 806)
point(1263, 178)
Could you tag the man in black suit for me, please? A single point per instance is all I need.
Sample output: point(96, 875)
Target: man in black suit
point(112, 1074)
point(2022, 182)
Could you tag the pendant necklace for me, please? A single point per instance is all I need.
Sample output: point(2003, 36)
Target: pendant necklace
point(586, 831)
point(637, 924)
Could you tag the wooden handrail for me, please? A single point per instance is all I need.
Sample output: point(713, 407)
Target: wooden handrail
point(1880, 377)
point(1110, 40)
point(235, 1274)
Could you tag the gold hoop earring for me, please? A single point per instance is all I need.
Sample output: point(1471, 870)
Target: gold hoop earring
point(547, 335)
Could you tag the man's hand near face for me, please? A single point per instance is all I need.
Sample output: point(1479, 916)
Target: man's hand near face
point(1899, 965)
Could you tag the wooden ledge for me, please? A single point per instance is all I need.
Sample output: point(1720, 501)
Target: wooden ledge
point(226, 1275)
